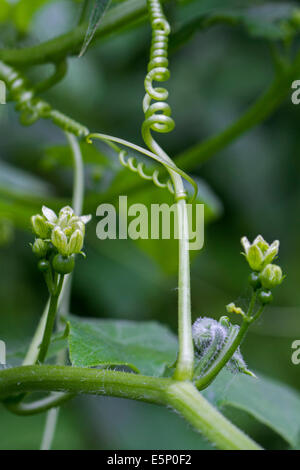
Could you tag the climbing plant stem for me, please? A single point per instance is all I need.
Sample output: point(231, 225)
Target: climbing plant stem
point(53, 304)
point(183, 397)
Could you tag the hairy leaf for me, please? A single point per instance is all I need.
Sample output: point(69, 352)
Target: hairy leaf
point(145, 347)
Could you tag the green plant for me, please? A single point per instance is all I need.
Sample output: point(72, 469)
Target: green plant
point(167, 376)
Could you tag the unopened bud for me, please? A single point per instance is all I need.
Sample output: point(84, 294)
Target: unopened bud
point(271, 276)
point(60, 240)
point(40, 226)
point(40, 248)
point(76, 242)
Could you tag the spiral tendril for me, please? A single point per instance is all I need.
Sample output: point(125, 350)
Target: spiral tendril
point(32, 108)
point(157, 115)
point(130, 163)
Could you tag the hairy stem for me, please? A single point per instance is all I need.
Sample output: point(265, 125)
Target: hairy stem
point(183, 397)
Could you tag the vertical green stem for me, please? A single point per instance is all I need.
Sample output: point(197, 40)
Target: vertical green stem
point(50, 321)
point(50, 427)
point(185, 360)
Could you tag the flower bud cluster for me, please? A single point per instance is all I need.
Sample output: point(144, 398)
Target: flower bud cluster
point(59, 237)
point(265, 275)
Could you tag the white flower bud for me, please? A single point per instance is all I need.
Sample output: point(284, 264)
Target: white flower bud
point(259, 253)
point(271, 276)
point(255, 258)
point(76, 242)
point(40, 248)
point(59, 240)
point(49, 214)
point(40, 226)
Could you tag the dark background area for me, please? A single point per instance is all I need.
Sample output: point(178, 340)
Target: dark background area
point(215, 76)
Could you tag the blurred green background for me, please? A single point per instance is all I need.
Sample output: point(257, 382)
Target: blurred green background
point(215, 76)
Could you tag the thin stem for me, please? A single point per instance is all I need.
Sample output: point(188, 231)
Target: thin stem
point(252, 304)
point(78, 179)
point(59, 73)
point(258, 314)
point(49, 430)
point(185, 360)
point(38, 406)
point(181, 396)
point(33, 350)
point(77, 204)
point(50, 321)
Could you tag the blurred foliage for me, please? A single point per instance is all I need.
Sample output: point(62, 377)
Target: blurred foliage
point(251, 187)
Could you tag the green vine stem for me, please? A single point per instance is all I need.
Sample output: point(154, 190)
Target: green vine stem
point(59, 73)
point(39, 406)
point(50, 427)
point(53, 304)
point(262, 108)
point(158, 118)
point(183, 397)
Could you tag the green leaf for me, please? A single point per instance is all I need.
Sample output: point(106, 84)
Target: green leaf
point(96, 16)
point(146, 347)
point(273, 404)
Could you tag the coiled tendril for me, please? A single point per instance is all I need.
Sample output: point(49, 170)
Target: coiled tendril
point(32, 108)
point(157, 115)
point(139, 169)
